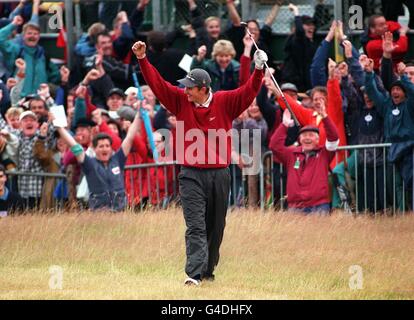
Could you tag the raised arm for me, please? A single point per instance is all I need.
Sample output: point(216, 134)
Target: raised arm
point(7, 46)
point(352, 59)
point(43, 154)
point(271, 16)
point(318, 67)
point(35, 12)
point(233, 14)
point(277, 142)
point(332, 137)
point(75, 147)
point(401, 45)
point(335, 101)
point(371, 87)
point(122, 44)
point(267, 107)
point(18, 10)
point(245, 61)
point(239, 99)
point(299, 31)
point(387, 66)
point(335, 111)
point(408, 85)
point(303, 115)
point(129, 139)
point(137, 16)
point(170, 96)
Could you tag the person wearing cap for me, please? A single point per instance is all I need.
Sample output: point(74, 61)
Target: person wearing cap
point(328, 98)
point(307, 165)
point(290, 89)
point(204, 185)
point(84, 109)
point(38, 69)
point(397, 110)
point(30, 187)
point(131, 96)
point(105, 172)
point(116, 99)
point(83, 135)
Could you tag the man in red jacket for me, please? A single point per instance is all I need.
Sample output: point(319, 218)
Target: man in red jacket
point(204, 178)
point(378, 26)
point(307, 165)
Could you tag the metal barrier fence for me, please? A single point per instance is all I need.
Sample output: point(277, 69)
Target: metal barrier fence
point(151, 185)
point(48, 191)
point(365, 182)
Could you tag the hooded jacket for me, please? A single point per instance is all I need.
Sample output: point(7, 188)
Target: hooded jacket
point(398, 119)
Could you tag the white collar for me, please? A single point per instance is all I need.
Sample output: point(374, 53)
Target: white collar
point(207, 103)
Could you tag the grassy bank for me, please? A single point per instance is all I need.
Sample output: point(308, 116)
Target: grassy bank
point(263, 256)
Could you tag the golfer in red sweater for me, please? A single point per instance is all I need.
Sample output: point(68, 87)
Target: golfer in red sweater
point(307, 165)
point(204, 178)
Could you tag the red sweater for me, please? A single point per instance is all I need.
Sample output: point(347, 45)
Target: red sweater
point(244, 72)
point(196, 150)
point(308, 185)
point(374, 46)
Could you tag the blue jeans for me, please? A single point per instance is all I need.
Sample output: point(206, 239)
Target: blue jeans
point(113, 201)
point(319, 209)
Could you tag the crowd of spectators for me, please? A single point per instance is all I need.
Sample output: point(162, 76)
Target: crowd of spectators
point(368, 96)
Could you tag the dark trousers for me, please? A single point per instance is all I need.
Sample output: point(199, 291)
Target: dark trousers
point(204, 197)
point(238, 189)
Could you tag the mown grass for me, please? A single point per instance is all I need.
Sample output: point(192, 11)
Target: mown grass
point(263, 256)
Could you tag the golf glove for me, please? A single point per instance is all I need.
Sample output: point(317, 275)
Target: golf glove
point(260, 57)
point(287, 119)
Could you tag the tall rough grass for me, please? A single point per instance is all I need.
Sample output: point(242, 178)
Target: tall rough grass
point(263, 256)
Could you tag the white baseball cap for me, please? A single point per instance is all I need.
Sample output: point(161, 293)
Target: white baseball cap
point(131, 90)
point(26, 114)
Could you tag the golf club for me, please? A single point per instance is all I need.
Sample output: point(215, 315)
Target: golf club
point(244, 24)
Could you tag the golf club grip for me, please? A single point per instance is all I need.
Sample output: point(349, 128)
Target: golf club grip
point(291, 111)
point(273, 78)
